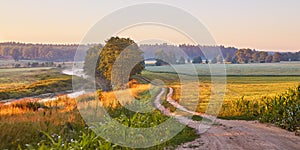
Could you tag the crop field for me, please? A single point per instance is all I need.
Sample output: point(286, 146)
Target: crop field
point(58, 124)
point(250, 81)
point(284, 68)
point(270, 96)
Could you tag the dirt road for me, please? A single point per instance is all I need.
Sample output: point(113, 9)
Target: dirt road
point(235, 134)
point(244, 135)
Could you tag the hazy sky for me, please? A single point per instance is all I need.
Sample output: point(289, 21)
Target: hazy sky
point(259, 24)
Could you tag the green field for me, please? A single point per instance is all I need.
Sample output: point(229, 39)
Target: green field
point(288, 68)
point(266, 92)
point(18, 70)
point(251, 81)
point(25, 82)
point(60, 121)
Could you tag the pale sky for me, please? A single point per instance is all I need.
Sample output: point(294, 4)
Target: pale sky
point(259, 24)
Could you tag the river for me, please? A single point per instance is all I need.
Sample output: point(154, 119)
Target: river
point(77, 72)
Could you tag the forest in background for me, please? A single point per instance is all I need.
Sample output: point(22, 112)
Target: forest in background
point(66, 52)
point(42, 52)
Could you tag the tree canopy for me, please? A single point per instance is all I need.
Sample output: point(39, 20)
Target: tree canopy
point(121, 55)
point(163, 58)
point(92, 59)
point(197, 60)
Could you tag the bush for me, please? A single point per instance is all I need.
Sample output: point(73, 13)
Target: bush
point(282, 110)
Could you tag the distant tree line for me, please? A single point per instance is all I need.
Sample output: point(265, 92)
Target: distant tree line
point(252, 56)
point(189, 51)
point(173, 54)
point(44, 52)
point(240, 56)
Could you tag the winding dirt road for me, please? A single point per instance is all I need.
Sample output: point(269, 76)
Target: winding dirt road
point(233, 134)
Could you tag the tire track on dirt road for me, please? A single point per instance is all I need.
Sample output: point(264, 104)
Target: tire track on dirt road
point(231, 134)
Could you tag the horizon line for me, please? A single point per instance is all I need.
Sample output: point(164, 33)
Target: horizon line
point(224, 45)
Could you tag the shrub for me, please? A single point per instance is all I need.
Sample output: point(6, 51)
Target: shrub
point(282, 110)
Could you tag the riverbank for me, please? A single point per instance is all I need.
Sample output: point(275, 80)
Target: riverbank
point(43, 84)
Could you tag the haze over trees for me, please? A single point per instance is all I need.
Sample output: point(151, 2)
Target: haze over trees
point(219, 59)
point(164, 58)
point(228, 58)
point(63, 53)
point(92, 59)
point(197, 60)
point(44, 52)
point(252, 56)
point(181, 60)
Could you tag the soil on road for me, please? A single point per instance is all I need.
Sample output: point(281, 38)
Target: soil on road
point(234, 134)
point(244, 135)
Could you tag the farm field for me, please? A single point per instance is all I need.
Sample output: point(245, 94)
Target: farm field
point(284, 68)
point(269, 97)
point(56, 122)
point(242, 80)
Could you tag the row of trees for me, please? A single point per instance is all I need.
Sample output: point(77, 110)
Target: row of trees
point(44, 52)
point(190, 51)
point(37, 64)
point(163, 58)
point(56, 52)
point(251, 56)
point(240, 56)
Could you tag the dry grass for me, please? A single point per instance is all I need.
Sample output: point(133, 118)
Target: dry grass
point(66, 104)
point(21, 123)
point(115, 98)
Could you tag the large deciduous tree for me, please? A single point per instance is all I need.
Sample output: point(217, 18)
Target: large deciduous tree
point(92, 59)
point(117, 55)
point(228, 58)
point(262, 57)
point(276, 57)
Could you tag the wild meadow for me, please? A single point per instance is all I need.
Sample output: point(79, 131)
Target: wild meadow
point(30, 124)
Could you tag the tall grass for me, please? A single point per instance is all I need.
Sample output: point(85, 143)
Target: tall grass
point(282, 110)
point(29, 124)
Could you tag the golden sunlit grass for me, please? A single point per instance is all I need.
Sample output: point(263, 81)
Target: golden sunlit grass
point(249, 87)
point(25, 122)
point(114, 98)
point(66, 104)
point(233, 92)
point(27, 82)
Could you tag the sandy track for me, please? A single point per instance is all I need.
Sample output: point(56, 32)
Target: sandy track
point(244, 135)
point(235, 134)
